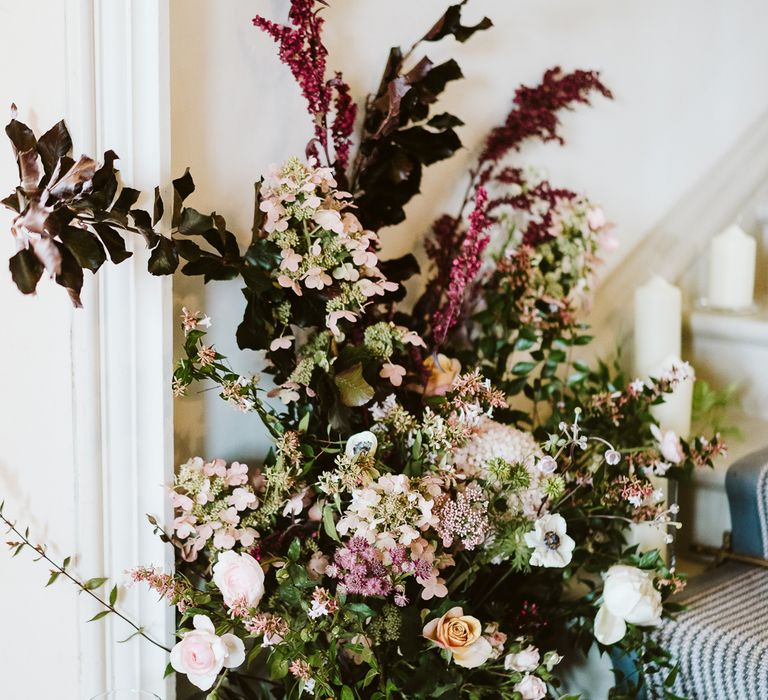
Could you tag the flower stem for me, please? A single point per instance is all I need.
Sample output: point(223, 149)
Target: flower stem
point(40, 549)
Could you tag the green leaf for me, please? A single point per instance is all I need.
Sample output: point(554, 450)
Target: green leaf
point(113, 596)
point(52, 579)
point(353, 388)
point(523, 368)
point(98, 616)
point(329, 525)
point(26, 270)
point(347, 694)
point(294, 550)
point(94, 583)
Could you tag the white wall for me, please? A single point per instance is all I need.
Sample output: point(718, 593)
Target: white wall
point(686, 76)
point(37, 476)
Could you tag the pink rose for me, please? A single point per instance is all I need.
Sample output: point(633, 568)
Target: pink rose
point(525, 660)
point(201, 653)
point(239, 578)
point(531, 687)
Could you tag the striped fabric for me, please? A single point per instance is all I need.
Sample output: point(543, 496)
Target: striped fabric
point(721, 640)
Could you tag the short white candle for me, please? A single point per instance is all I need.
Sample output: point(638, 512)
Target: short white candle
point(732, 257)
point(658, 325)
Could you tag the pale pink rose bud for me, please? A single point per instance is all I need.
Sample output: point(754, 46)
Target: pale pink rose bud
point(239, 577)
point(525, 660)
point(531, 687)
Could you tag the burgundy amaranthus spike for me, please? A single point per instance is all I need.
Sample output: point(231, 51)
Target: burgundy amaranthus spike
point(303, 51)
point(534, 114)
point(464, 269)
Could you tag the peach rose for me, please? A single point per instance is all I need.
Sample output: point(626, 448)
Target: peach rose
point(442, 373)
point(461, 635)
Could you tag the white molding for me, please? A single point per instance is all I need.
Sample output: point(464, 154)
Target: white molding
point(682, 236)
point(119, 98)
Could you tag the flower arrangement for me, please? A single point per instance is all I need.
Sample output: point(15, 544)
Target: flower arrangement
point(445, 507)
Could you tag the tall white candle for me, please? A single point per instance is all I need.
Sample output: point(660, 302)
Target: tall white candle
point(658, 324)
point(675, 413)
point(732, 269)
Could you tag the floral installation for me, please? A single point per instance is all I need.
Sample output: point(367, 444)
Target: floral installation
point(445, 507)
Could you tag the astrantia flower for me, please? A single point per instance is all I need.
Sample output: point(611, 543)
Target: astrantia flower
point(202, 654)
point(552, 547)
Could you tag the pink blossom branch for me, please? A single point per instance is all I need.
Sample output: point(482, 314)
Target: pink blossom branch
point(61, 570)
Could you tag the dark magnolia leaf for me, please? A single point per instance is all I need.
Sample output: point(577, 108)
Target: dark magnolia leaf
point(182, 188)
point(437, 78)
point(85, 246)
point(104, 184)
point(12, 202)
point(21, 136)
point(189, 250)
point(396, 90)
point(47, 252)
point(353, 388)
point(257, 279)
point(113, 242)
point(444, 121)
point(164, 259)
point(26, 270)
point(211, 267)
point(29, 171)
point(400, 269)
point(143, 222)
point(193, 222)
point(71, 275)
point(53, 145)
point(128, 197)
point(428, 146)
point(255, 330)
point(258, 215)
point(58, 220)
point(158, 208)
point(450, 25)
point(81, 172)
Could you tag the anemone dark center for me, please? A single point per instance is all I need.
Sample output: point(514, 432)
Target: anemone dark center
point(552, 540)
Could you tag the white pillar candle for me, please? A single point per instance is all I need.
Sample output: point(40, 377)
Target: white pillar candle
point(732, 257)
point(675, 413)
point(658, 324)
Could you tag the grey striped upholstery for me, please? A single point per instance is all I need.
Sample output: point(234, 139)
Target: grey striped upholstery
point(721, 640)
point(747, 485)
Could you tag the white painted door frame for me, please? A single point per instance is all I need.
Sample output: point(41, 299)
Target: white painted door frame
point(118, 78)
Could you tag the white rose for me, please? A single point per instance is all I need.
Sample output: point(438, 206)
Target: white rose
point(525, 660)
point(531, 687)
point(628, 596)
point(239, 578)
point(201, 653)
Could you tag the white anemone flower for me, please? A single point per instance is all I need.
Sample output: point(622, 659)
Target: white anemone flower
point(552, 547)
